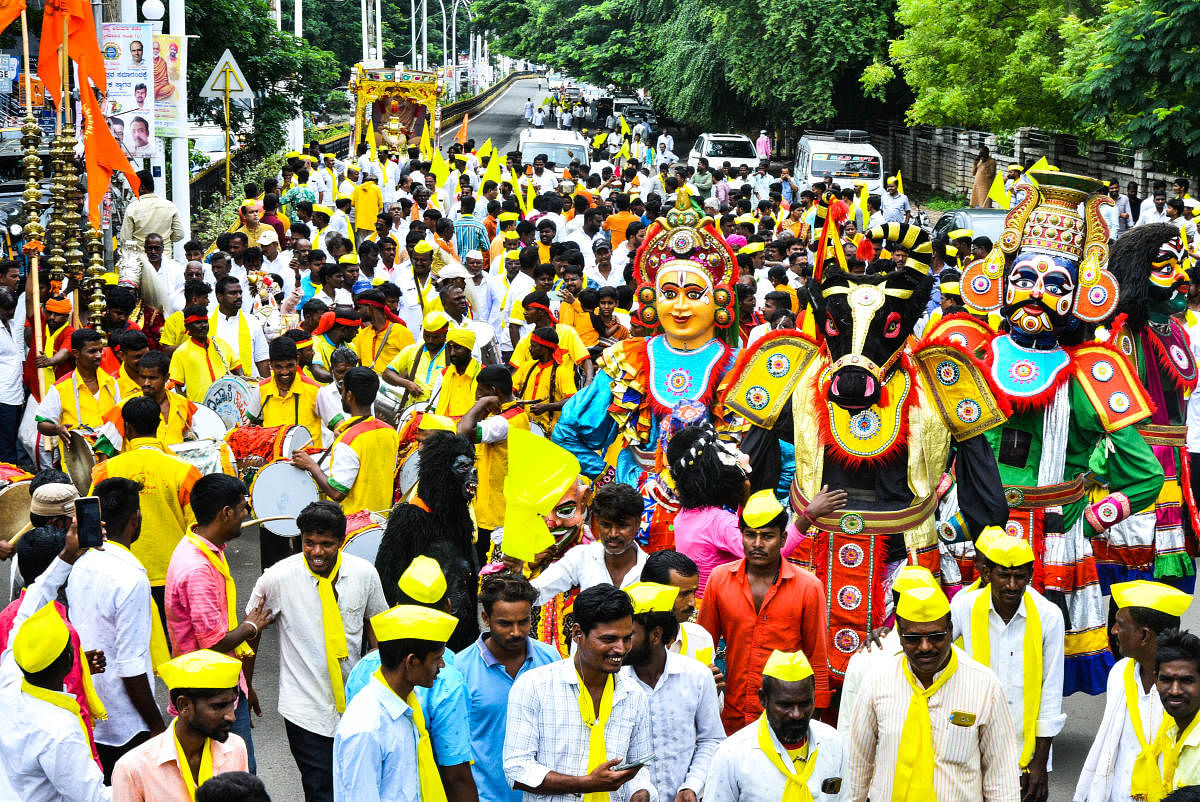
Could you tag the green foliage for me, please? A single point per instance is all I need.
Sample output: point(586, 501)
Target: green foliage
point(1134, 73)
point(287, 74)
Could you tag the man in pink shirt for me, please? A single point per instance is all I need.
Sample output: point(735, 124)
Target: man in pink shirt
point(200, 593)
point(203, 687)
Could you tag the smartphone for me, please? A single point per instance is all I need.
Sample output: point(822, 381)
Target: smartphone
point(87, 522)
point(633, 763)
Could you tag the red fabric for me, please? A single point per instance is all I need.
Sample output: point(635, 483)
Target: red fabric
point(792, 617)
point(557, 353)
point(30, 371)
point(387, 312)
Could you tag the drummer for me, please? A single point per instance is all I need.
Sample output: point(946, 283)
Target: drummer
point(304, 350)
point(338, 327)
point(176, 409)
point(129, 346)
point(201, 360)
point(289, 399)
point(79, 399)
point(384, 336)
point(457, 393)
point(362, 460)
point(418, 368)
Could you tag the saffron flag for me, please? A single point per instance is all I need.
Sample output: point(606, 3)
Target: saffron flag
point(461, 138)
point(102, 155)
point(72, 21)
point(10, 11)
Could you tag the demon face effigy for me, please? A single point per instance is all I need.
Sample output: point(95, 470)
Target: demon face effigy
point(865, 320)
point(1154, 286)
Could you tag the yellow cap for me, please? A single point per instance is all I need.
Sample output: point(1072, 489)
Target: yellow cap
point(1008, 551)
point(752, 247)
point(922, 605)
point(110, 278)
point(745, 218)
point(951, 250)
point(539, 472)
point(435, 321)
point(508, 217)
point(436, 423)
point(328, 156)
point(41, 639)
point(411, 621)
point(961, 233)
point(319, 209)
point(787, 666)
point(511, 235)
point(913, 576)
point(986, 537)
point(423, 247)
point(203, 669)
point(1012, 167)
point(347, 259)
point(652, 597)
point(950, 288)
point(423, 580)
point(761, 508)
point(292, 154)
point(461, 335)
point(1154, 595)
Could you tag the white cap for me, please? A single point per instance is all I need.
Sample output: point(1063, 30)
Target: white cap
point(763, 131)
point(1190, 203)
point(268, 237)
point(453, 270)
point(473, 254)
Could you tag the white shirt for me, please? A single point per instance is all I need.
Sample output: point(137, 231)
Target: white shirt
point(521, 285)
point(290, 591)
point(893, 209)
point(858, 669)
point(742, 772)
point(12, 359)
point(228, 328)
point(1149, 214)
point(545, 733)
point(329, 407)
point(615, 278)
point(1108, 770)
point(582, 567)
point(411, 308)
point(667, 139)
point(109, 602)
point(698, 640)
point(585, 246)
point(1007, 656)
point(1188, 227)
point(685, 724)
point(486, 297)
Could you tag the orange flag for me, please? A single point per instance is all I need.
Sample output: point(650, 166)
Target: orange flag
point(461, 138)
point(103, 156)
point(9, 12)
point(76, 17)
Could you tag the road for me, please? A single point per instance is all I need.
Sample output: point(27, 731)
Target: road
point(502, 121)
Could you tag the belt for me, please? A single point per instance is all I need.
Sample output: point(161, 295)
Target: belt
point(869, 522)
point(1164, 435)
point(1026, 497)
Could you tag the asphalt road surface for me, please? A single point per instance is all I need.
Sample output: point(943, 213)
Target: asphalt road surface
point(503, 121)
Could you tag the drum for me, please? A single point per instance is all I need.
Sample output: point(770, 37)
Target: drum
point(407, 474)
point(406, 415)
point(235, 399)
point(207, 456)
point(282, 489)
point(387, 404)
point(364, 533)
point(79, 459)
point(255, 446)
point(207, 425)
point(14, 506)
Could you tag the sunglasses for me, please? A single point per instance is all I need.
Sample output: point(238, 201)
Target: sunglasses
point(932, 637)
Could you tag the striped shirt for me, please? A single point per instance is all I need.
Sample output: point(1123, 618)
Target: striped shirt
point(971, 763)
point(470, 235)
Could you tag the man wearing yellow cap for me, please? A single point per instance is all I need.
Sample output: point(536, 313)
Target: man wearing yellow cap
point(382, 749)
point(45, 748)
point(1126, 756)
point(458, 385)
point(1018, 633)
point(416, 280)
point(321, 599)
point(685, 719)
point(572, 723)
point(1178, 679)
point(360, 471)
point(786, 754)
point(199, 744)
point(417, 368)
point(933, 723)
point(444, 704)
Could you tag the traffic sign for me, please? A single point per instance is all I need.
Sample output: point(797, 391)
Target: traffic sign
point(227, 76)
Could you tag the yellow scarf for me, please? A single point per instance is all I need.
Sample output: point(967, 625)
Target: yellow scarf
point(1171, 751)
point(65, 701)
point(48, 351)
point(596, 722)
point(217, 559)
point(703, 655)
point(244, 343)
point(796, 789)
point(335, 632)
point(1147, 780)
point(1031, 652)
point(427, 770)
point(914, 763)
point(159, 651)
point(185, 768)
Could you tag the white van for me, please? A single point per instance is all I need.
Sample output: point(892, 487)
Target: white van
point(559, 147)
point(844, 157)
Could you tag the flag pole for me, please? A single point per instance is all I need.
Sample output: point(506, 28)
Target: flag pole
point(37, 291)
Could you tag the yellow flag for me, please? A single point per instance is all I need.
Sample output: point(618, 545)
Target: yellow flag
point(899, 183)
point(862, 205)
point(426, 145)
point(531, 194)
point(371, 138)
point(485, 150)
point(1041, 164)
point(623, 153)
point(439, 168)
point(492, 173)
point(520, 198)
point(997, 194)
point(625, 132)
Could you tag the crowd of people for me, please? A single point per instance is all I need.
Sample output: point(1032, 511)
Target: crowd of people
point(459, 340)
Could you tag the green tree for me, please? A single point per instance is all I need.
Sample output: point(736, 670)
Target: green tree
point(1132, 77)
point(287, 74)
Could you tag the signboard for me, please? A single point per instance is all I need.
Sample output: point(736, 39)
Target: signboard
point(130, 105)
point(170, 85)
point(39, 91)
point(227, 74)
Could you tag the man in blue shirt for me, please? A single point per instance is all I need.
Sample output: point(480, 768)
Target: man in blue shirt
point(489, 665)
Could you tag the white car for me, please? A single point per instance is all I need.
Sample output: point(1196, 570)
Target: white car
point(737, 149)
point(559, 147)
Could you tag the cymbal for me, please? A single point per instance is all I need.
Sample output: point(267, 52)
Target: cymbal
point(14, 510)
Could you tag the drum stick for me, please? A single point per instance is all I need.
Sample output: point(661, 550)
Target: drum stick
point(254, 521)
point(12, 541)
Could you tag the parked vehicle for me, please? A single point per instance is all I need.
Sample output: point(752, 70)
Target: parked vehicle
point(737, 149)
point(984, 222)
point(845, 157)
point(559, 147)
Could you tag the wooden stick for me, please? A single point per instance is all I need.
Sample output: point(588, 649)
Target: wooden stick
point(254, 521)
point(28, 77)
point(12, 541)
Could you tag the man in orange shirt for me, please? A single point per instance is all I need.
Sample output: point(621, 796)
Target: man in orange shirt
point(759, 604)
point(617, 223)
